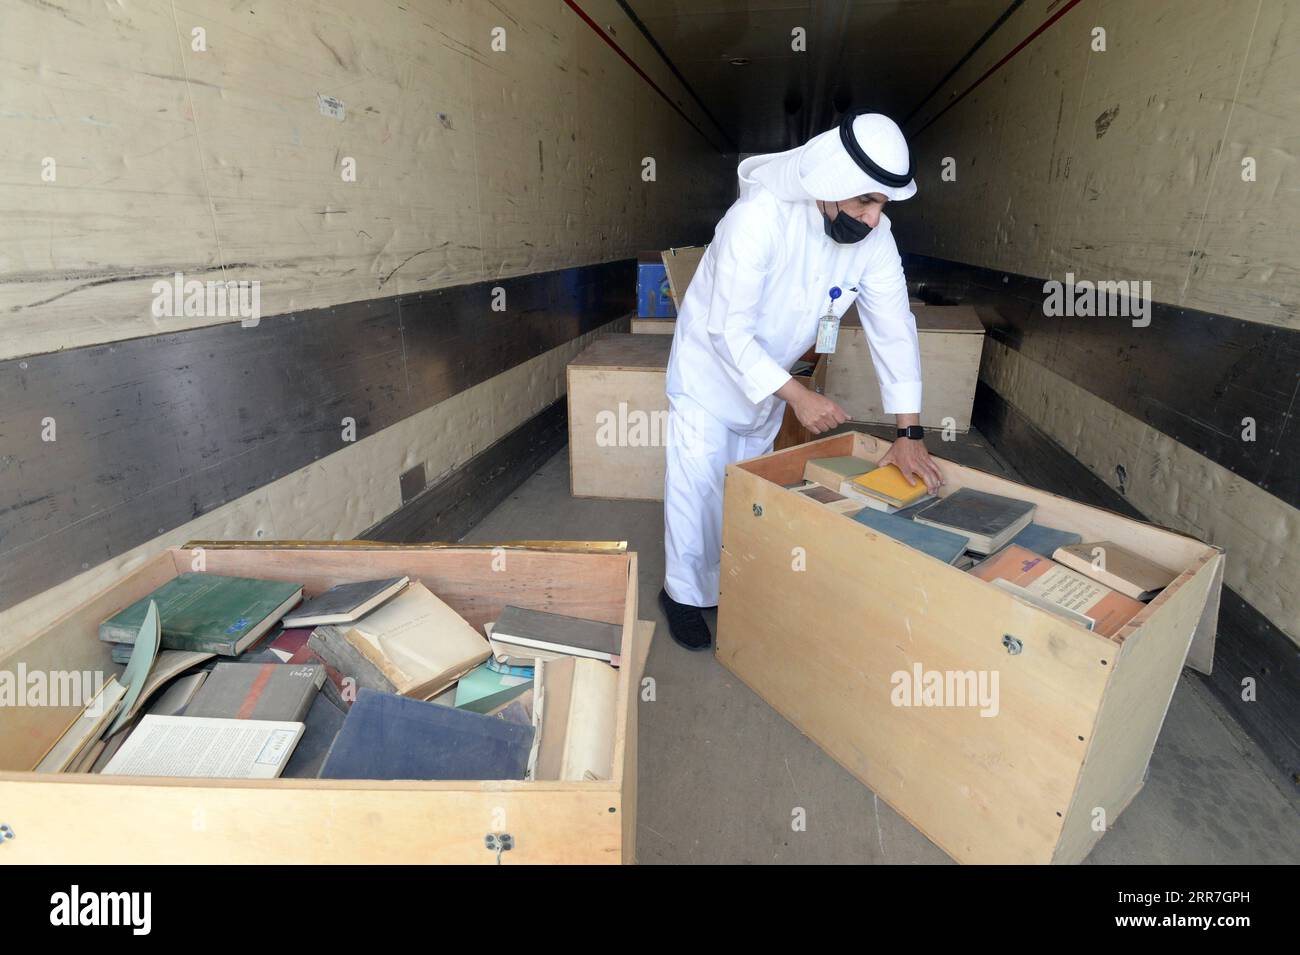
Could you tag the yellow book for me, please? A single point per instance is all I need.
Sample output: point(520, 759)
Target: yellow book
point(888, 484)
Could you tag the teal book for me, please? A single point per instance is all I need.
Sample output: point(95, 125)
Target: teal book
point(1044, 540)
point(207, 613)
point(482, 689)
point(944, 545)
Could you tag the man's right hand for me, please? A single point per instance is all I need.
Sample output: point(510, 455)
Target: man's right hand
point(815, 412)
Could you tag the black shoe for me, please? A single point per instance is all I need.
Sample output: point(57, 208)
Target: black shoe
point(685, 623)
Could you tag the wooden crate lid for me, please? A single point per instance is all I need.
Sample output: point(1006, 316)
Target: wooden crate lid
point(945, 319)
point(948, 318)
point(641, 352)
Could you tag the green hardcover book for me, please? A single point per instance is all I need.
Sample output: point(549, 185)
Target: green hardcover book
point(207, 613)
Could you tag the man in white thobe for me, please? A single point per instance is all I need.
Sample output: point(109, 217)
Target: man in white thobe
point(808, 221)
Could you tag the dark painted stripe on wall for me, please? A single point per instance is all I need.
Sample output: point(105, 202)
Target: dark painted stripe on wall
point(1191, 375)
point(1247, 645)
point(448, 510)
point(154, 432)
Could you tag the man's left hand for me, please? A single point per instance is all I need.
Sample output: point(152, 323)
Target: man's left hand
point(912, 458)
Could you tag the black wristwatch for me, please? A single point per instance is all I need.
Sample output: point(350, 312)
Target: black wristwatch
point(913, 431)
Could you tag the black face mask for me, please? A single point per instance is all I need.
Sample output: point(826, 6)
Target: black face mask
point(844, 228)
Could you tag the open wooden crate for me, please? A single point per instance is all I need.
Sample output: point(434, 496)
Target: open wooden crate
point(72, 818)
point(1078, 713)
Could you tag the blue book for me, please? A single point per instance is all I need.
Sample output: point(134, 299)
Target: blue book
point(395, 737)
point(944, 545)
point(1044, 540)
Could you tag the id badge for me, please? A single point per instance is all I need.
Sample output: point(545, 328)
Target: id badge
point(828, 334)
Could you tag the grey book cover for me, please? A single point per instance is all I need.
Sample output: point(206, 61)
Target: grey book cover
point(332, 645)
point(345, 603)
point(975, 512)
point(555, 631)
point(281, 692)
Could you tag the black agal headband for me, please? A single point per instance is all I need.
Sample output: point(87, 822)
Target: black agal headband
point(878, 173)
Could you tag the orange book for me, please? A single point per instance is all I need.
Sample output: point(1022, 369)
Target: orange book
point(888, 484)
point(1043, 579)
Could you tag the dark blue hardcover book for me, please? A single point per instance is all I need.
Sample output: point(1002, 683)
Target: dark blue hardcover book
point(944, 545)
point(324, 722)
point(395, 737)
point(1044, 540)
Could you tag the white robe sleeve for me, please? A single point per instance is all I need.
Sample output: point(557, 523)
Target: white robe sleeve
point(743, 249)
point(890, 327)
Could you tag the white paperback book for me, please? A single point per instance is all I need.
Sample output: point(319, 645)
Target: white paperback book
point(204, 747)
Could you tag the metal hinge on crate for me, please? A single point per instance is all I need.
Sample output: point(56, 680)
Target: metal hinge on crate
point(498, 842)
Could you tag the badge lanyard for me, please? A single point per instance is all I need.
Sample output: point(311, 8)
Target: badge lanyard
point(828, 326)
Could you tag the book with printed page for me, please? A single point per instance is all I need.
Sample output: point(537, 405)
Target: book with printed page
point(196, 747)
point(1047, 580)
point(1117, 567)
point(414, 645)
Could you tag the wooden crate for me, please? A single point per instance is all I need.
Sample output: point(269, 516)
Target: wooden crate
point(113, 819)
point(1078, 713)
point(951, 339)
point(618, 417)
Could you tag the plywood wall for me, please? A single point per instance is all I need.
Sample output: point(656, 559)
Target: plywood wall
point(470, 162)
point(1128, 164)
point(1168, 482)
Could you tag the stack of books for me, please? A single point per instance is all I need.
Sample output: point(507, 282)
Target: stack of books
point(1099, 585)
point(885, 489)
point(1044, 583)
point(234, 677)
